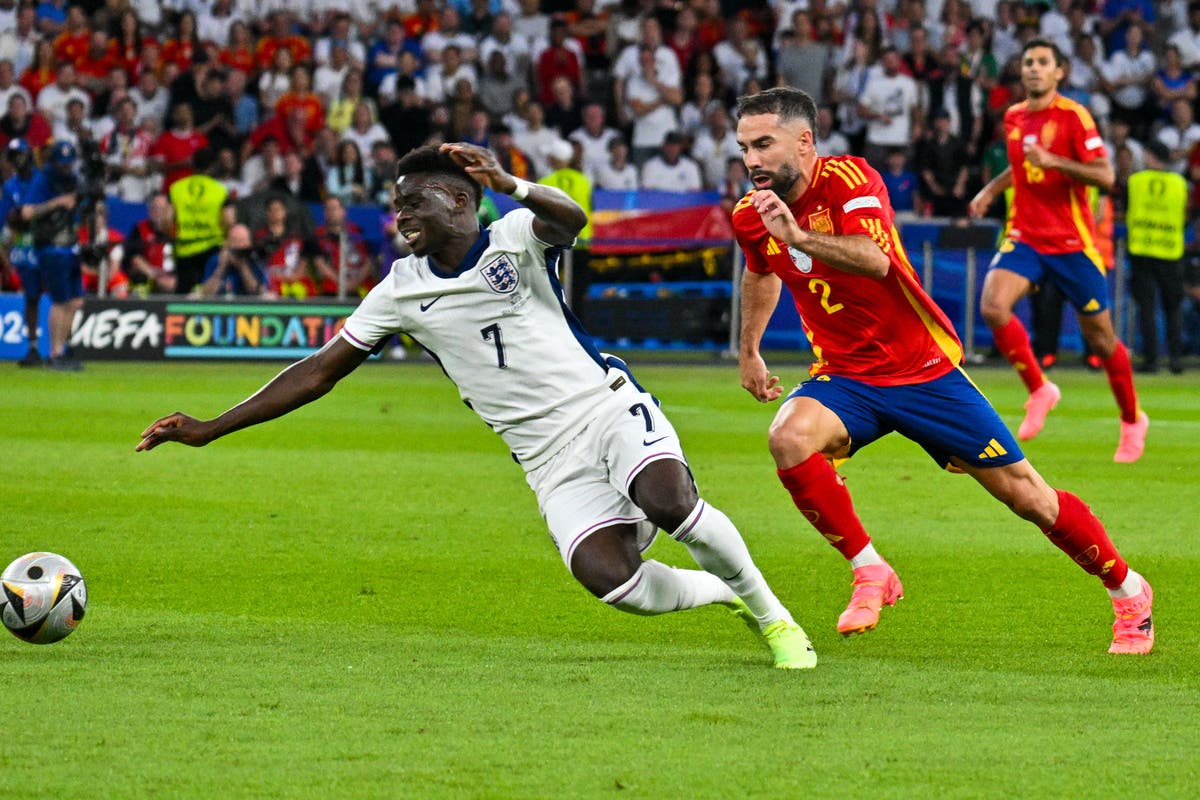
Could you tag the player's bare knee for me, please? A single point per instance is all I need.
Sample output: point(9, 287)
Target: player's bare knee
point(792, 441)
point(669, 509)
point(1033, 501)
point(602, 577)
point(1102, 343)
point(606, 559)
point(994, 313)
point(666, 492)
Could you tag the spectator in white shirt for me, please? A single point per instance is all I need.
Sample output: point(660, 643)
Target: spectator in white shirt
point(536, 137)
point(52, 100)
point(1181, 135)
point(1054, 25)
point(341, 34)
point(593, 138)
point(740, 56)
point(651, 104)
point(890, 104)
point(617, 174)
point(448, 33)
point(504, 39)
point(531, 23)
point(1126, 77)
point(441, 79)
point(670, 170)
point(19, 44)
point(829, 141)
point(8, 84)
point(714, 145)
point(1188, 38)
point(364, 131)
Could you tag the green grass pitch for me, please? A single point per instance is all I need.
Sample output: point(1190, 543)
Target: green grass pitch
point(360, 600)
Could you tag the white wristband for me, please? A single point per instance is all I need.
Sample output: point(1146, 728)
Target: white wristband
point(521, 190)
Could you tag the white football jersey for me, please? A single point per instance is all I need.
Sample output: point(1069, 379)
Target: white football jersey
point(501, 331)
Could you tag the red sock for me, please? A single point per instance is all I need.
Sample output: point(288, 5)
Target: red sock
point(821, 495)
point(1013, 342)
point(1120, 378)
point(1079, 534)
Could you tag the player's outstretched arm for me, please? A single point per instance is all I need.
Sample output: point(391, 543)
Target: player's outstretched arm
point(760, 295)
point(557, 218)
point(301, 383)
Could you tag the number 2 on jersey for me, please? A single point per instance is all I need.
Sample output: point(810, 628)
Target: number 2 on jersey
point(492, 334)
point(817, 285)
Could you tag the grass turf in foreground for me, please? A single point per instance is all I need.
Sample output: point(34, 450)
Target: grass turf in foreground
point(360, 599)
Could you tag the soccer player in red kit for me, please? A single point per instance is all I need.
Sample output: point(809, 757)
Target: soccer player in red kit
point(887, 360)
point(1054, 154)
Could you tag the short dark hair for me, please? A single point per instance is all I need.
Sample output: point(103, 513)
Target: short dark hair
point(788, 103)
point(430, 160)
point(1059, 58)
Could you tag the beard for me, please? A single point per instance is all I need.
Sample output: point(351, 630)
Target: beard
point(782, 181)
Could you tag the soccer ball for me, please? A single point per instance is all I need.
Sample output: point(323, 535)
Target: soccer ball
point(42, 597)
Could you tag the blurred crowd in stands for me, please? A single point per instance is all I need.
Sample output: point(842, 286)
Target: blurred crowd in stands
point(307, 104)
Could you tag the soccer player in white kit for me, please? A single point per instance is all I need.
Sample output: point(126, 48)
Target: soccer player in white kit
point(606, 465)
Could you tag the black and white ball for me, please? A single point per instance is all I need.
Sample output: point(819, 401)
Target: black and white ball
point(42, 598)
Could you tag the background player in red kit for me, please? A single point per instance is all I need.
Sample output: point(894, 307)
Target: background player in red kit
point(1054, 154)
point(887, 360)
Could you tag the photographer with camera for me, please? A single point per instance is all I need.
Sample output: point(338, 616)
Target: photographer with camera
point(50, 206)
point(234, 270)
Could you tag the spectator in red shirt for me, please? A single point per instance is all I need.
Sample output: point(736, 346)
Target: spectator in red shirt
point(174, 148)
point(41, 72)
point(358, 272)
point(71, 45)
point(146, 259)
point(96, 63)
point(422, 21)
point(302, 98)
point(281, 37)
point(109, 253)
point(557, 59)
point(286, 131)
point(130, 40)
point(684, 39)
point(20, 122)
point(287, 252)
point(182, 48)
point(238, 52)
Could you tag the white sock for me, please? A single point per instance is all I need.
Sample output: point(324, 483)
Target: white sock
point(1130, 587)
point(866, 557)
point(658, 589)
point(718, 547)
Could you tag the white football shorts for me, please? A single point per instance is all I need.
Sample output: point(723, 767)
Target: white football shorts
point(585, 486)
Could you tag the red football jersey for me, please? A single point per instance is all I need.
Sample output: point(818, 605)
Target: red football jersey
point(883, 331)
point(1051, 212)
point(174, 149)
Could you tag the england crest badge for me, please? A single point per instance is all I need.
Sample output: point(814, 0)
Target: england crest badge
point(500, 274)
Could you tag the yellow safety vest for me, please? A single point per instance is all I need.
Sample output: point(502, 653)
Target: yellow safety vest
point(1156, 214)
point(198, 200)
point(578, 188)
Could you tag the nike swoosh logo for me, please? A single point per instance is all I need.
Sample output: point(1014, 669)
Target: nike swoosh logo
point(427, 306)
point(653, 441)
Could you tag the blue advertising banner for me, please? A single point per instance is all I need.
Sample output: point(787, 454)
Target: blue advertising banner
point(14, 343)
